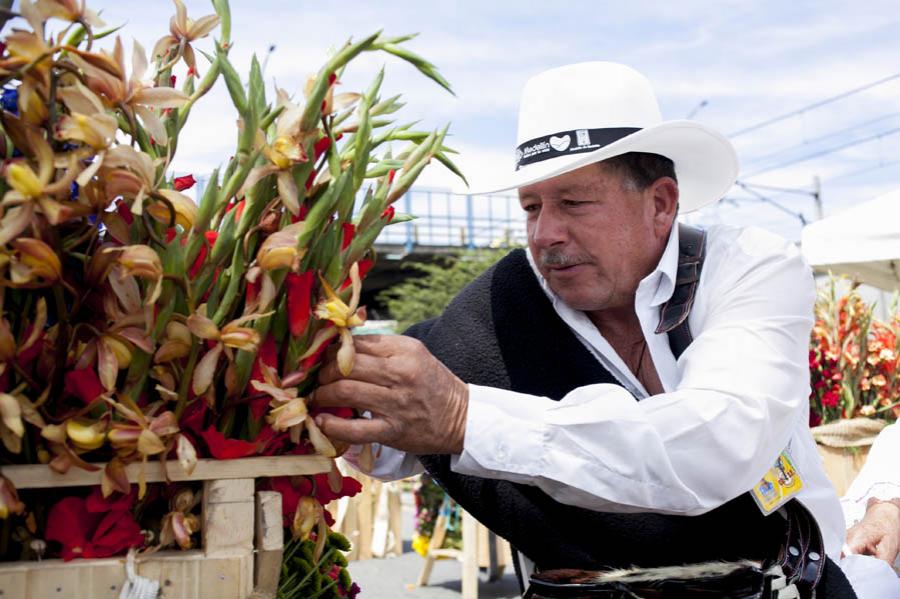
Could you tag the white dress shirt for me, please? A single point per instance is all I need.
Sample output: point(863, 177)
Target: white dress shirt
point(733, 401)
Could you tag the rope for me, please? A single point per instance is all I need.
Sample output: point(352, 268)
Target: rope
point(854, 432)
point(137, 587)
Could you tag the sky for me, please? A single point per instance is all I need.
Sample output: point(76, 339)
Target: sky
point(730, 64)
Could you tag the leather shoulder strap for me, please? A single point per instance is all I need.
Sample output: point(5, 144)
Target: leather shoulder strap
point(673, 316)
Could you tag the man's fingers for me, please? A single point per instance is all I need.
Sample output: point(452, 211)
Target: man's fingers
point(349, 393)
point(353, 431)
point(365, 368)
point(886, 550)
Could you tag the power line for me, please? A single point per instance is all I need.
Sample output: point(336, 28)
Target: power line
point(819, 138)
point(813, 106)
point(767, 200)
point(825, 152)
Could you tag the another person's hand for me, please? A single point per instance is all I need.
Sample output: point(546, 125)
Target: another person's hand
point(417, 404)
point(878, 533)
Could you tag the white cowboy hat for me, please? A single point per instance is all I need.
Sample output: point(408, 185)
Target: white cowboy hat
point(575, 115)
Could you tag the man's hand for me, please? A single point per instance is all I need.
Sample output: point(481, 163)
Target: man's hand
point(878, 533)
point(417, 404)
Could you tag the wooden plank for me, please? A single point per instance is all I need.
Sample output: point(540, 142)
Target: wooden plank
point(181, 574)
point(38, 476)
point(470, 556)
point(269, 543)
point(228, 517)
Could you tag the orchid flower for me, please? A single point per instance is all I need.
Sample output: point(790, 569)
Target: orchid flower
point(105, 76)
point(231, 336)
point(35, 192)
point(286, 150)
point(9, 499)
point(73, 11)
point(344, 316)
point(182, 31)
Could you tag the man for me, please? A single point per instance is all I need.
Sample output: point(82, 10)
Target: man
point(547, 398)
point(872, 506)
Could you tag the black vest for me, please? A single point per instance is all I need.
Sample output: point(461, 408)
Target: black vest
point(502, 331)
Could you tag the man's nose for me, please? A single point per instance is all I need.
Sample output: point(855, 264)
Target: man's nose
point(548, 229)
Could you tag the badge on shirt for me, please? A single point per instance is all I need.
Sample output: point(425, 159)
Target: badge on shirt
point(779, 484)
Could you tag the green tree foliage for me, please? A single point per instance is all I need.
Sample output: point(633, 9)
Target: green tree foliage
point(418, 299)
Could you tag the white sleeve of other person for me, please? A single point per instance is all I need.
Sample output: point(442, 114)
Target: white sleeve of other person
point(735, 399)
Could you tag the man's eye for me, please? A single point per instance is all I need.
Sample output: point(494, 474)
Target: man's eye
point(574, 202)
point(531, 207)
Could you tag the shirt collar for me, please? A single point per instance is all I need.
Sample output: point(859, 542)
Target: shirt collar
point(658, 285)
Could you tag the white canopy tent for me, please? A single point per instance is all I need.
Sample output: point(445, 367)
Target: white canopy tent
point(862, 242)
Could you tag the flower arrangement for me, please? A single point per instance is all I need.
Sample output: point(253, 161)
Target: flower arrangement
point(431, 500)
point(139, 325)
point(854, 359)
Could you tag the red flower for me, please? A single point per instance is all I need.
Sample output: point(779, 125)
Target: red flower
point(365, 265)
point(185, 182)
point(310, 179)
point(321, 146)
point(815, 419)
point(348, 230)
point(211, 237)
point(83, 532)
point(391, 174)
point(292, 488)
point(299, 295)
point(83, 384)
point(223, 448)
point(324, 494)
point(238, 208)
point(388, 213)
point(172, 80)
point(830, 399)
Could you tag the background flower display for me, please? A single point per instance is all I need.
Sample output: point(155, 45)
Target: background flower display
point(854, 359)
point(139, 325)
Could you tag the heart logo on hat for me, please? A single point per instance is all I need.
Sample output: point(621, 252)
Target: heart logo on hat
point(560, 143)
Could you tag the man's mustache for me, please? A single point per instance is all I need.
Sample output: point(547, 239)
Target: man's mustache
point(559, 259)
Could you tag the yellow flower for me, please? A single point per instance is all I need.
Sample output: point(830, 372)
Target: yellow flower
point(9, 499)
point(35, 260)
point(279, 250)
point(344, 316)
point(34, 191)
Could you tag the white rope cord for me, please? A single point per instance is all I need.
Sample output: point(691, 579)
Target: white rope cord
point(137, 587)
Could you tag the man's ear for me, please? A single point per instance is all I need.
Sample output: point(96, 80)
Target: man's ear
point(664, 198)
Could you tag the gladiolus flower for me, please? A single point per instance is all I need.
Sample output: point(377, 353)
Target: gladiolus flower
point(187, 454)
point(182, 183)
point(299, 296)
point(178, 527)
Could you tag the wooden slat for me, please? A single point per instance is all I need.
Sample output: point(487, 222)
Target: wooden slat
point(181, 574)
point(41, 477)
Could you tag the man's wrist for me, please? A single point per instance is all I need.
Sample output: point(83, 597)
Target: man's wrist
point(461, 400)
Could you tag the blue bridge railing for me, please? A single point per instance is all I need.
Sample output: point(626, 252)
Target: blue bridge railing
point(445, 219)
